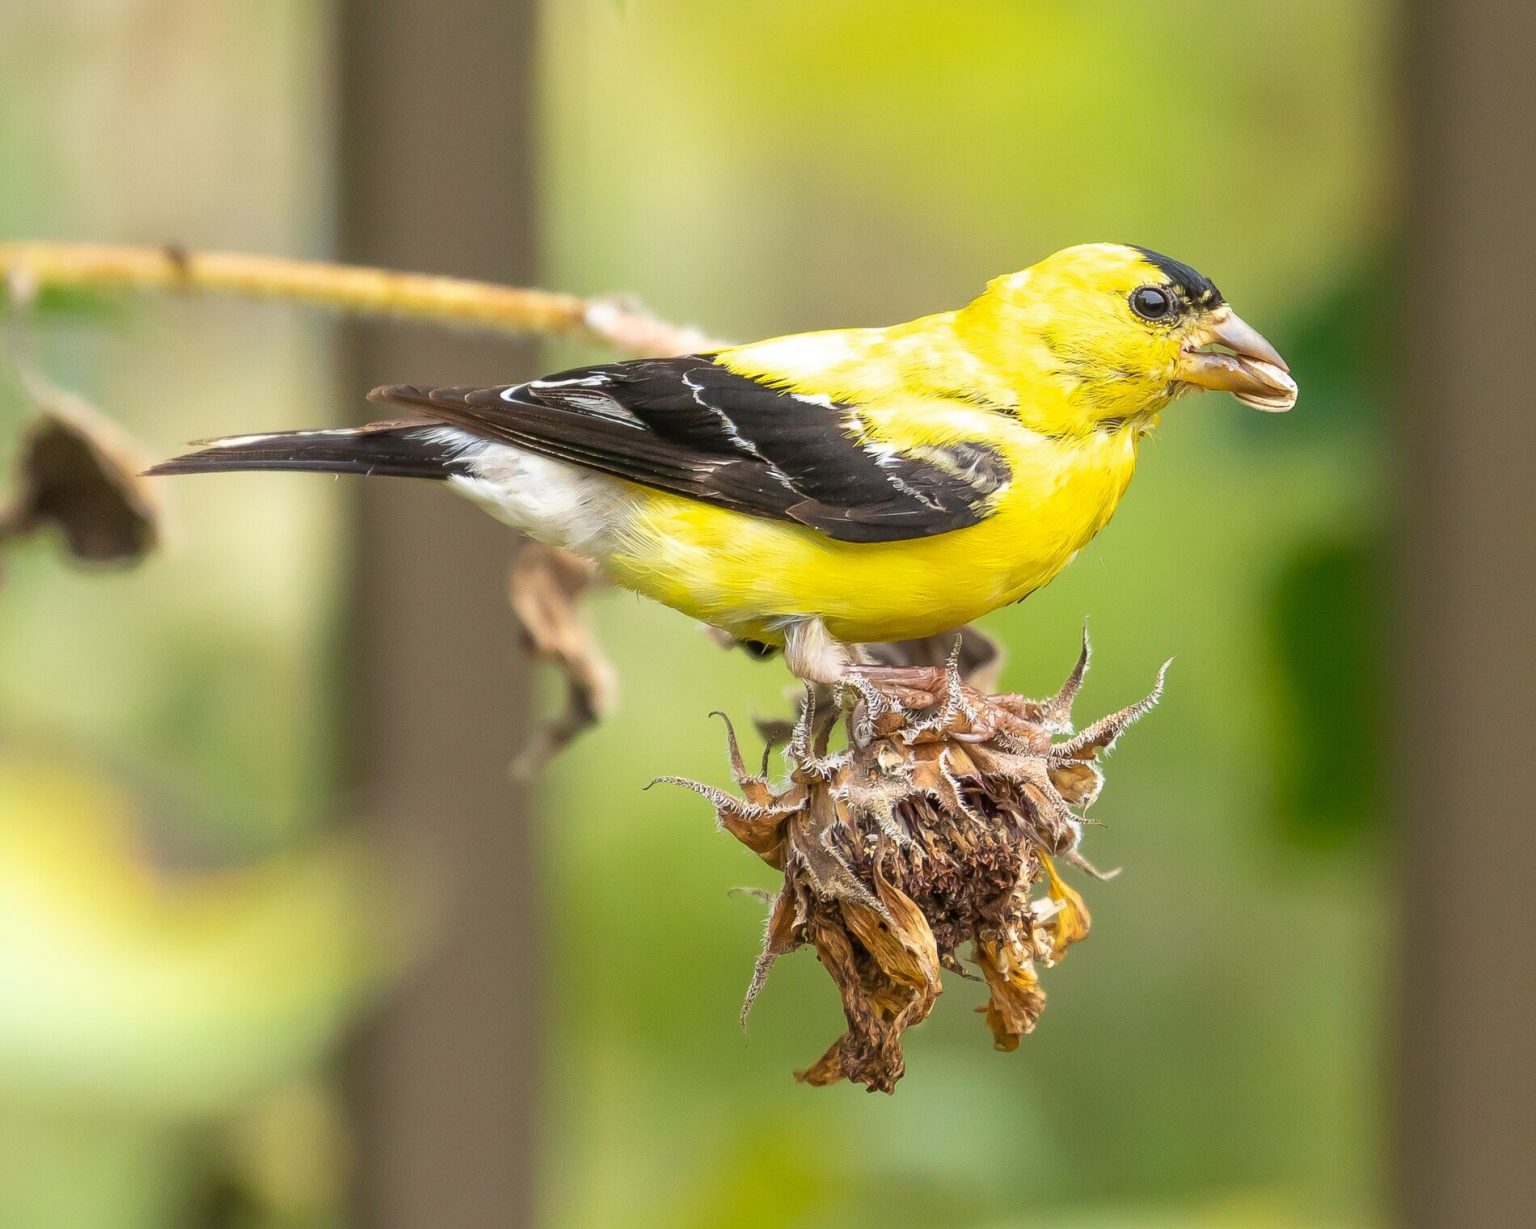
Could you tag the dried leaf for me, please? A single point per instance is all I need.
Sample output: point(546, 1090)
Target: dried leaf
point(79, 473)
point(545, 588)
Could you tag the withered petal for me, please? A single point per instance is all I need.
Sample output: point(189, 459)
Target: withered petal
point(1072, 920)
point(900, 940)
point(828, 1069)
point(1016, 1000)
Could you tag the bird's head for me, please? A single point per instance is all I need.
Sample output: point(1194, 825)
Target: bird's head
point(1104, 333)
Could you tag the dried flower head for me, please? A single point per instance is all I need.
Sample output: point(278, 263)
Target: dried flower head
point(933, 830)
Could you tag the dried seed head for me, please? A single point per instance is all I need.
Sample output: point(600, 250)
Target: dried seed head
point(933, 834)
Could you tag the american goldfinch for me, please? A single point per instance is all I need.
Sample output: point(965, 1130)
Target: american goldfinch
point(822, 490)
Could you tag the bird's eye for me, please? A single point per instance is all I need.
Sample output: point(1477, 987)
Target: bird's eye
point(1152, 303)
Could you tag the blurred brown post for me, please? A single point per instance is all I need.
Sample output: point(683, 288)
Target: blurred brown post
point(434, 161)
point(1466, 761)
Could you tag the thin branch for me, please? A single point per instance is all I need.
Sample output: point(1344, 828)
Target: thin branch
point(353, 289)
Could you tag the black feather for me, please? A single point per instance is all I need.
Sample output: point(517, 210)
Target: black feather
point(399, 450)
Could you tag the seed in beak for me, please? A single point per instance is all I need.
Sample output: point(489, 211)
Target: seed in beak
point(1254, 373)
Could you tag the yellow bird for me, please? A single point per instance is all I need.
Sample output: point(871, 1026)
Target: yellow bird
point(822, 490)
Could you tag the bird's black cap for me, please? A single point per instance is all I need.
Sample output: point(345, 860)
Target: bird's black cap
point(1197, 286)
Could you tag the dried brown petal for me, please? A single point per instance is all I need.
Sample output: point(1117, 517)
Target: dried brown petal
point(899, 939)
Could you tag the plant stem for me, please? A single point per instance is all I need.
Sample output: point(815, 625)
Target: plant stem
point(353, 289)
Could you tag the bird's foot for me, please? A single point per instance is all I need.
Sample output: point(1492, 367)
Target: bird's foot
point(909, 687)
point(925, 702)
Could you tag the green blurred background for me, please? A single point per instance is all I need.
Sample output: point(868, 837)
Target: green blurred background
point(189, 923)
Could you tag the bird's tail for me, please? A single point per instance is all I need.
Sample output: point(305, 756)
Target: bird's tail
point(417, 449)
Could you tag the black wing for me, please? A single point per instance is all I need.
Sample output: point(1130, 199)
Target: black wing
point(692, 427)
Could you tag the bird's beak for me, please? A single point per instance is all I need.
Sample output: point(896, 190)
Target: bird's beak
point(1254, 372)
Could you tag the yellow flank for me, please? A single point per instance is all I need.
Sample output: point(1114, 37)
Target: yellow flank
point(1050, 367)
point(748, 575)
